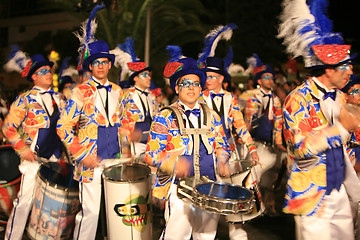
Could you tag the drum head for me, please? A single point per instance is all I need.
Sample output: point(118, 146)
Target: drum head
point(224, 191)
point(59, 174)
point(127, 172)
point(9, 164)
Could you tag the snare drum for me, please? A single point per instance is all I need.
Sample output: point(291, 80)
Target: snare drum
point(56, 203)
point(243, 173)
point(8, 192)
point(128, 201)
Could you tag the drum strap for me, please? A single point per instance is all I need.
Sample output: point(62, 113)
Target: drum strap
point(196, 133)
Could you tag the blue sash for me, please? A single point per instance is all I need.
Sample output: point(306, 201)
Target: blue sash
point(48, 142)
point(108, 142)
point(334, 168)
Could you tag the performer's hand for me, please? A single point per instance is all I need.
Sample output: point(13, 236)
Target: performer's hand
point(224, 169)
point(255, 158)
point(182, 168)
point(91, 161)
point(349, 120)
point(28, 155)
point(281, 147)
point(136, 135)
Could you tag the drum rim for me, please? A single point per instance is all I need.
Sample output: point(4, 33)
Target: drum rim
point(227, 199)
point(55, 185)
point(109, 179)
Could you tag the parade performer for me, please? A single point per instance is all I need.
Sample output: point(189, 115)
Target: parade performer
point(30, 127)
point(94, 107)
point(140, 105)
point(224, 103)
point(178, 155)
point(317, 125)
point(263, 115)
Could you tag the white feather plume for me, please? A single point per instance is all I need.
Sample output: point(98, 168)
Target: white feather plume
point(235, 68)
point(121, 60)
point(17, 62)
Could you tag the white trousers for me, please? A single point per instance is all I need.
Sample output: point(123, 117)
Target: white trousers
point(183, 220)
point(86, 220)
point(23, 203)
point(334, 223)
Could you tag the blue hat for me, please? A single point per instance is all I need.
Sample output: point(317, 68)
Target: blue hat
point(37, 61)
point(63, 81)
point(184, 66)
point(98, 49)
point(132, 76)
point(259, 71)
point(353, 80)
point(216, 64)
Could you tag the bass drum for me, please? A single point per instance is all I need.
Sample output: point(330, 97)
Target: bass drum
point(9, 164)
point(10, 178)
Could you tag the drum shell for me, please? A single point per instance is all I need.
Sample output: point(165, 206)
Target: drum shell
point(54, 206)
point(127, 188)
point(9, 164)
point(8, 192)
point(223, 198)
point(250, 180)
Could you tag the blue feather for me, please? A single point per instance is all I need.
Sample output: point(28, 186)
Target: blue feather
point(175, 52)
point(128, 47)
point(210, 39)
point(89, 35)
point(64, 65)
point(229, 57)
point(13, 51)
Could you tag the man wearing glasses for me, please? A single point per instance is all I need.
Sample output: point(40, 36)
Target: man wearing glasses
point(140, 106)
point(30, 127)
point(263, 116)
point(179, 155)
point(95, 108)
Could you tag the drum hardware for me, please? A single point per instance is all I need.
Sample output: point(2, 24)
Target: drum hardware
point(127, 188)
point(56, 203)
point(244, 174)
point(219, 198)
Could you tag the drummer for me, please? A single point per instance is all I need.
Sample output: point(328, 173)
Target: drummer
point(178, 155)
point(95, 107)
point(30, 127)
point(263, 116)
point(139, 104)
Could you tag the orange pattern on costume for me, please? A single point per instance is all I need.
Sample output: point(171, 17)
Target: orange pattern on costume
point(26, 117)
point(308, 135)
point(81, 111)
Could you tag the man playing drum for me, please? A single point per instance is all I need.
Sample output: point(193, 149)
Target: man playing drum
point(30, 127)
point(178, 155)
point(140, 105)
point(263, 116)
point(95, 108)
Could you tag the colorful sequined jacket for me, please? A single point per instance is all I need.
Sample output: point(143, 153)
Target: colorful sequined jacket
point(308, 134)
point(26, 116)
point(85, 111)
point(232, 116)
point(352, 144)
point(166, 144)
point(133, 111)
point(254, 108)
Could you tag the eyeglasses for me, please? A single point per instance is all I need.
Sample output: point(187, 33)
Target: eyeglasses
point(97, 63)
point(344, 67)
point(267, 77)
point(188, 84)
point(144, 75)
point(43, 72)
point(354, 92)
point(212, 77)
